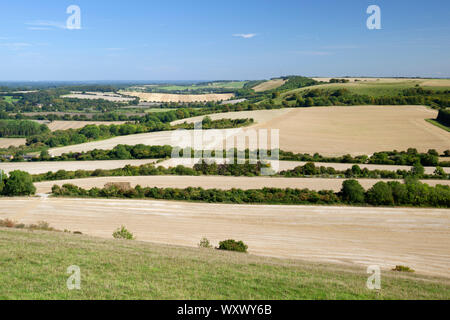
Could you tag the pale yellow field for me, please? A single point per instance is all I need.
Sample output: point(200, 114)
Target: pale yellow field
point(259, 116)
point(64, 125)
point(413, 237)
point(269, 85)
point(217, 182)
point(6, 142)
point(53, 166)
point(330, 131)
point(110, 96)
point(164, 97)
point(358, 130)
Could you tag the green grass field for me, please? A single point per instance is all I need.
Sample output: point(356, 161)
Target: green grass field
point(10, 99)
point(371, 88)
point(34, 266)
point(233, 85)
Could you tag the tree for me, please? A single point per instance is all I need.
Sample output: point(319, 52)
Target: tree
point(380, 194)
point(352, 192)
point(417, 170)
point(19, 183)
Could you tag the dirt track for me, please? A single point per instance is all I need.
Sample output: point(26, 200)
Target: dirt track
point(217, 182)
point(414, 237)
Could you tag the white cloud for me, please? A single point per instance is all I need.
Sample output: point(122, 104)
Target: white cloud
point(45, 25)
point(244, 35)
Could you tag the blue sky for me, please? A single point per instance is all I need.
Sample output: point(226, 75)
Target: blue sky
point(206, 40)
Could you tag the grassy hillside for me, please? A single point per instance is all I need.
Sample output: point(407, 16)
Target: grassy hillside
point(34, 266)
point(371, 88)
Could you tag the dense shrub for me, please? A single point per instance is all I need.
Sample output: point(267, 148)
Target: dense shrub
point(18, 183)
point(233, 245)
point(444, 117)
point(123, 233)
point(352, 192)
point(204, 243)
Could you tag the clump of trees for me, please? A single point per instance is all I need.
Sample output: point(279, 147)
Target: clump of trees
point(21, 128)
point(18, 183)
point(444, 117)
point(233, 245)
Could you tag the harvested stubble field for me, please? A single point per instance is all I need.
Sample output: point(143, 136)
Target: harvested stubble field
point(330, 131)
point(269, 85)
point(110, 96)
point(358, 130)
point(184, 98)
point(217, 182)
point(53, 166)
point(65, 125)
point(345, 235)
point(7, 142)
point(260, 116)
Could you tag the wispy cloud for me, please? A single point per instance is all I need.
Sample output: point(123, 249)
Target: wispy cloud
point(244, 35)
point(15, 45)
point(45, 25)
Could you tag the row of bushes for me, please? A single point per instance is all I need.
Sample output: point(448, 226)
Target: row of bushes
point(97, 132)
point(410, 157)
point(247, 169)
point(412, 193)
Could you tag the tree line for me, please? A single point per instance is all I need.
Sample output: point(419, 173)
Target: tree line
point(21, 128)
point(245, 169)
point(410, 193)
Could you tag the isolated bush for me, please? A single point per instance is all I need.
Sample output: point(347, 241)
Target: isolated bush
point(204, 243)
point(402, 269)
point(233, 245)
point(123, 233)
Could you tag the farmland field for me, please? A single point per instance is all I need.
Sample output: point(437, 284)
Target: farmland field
point(355, 130)
point(218, 182)
point(165, 97)
point(269, 85)
point(53, 166)
point(65, 125)
point(353, 236)
point(6, 142)
point(358, 130)
point(110, 96)
point(374, 86)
